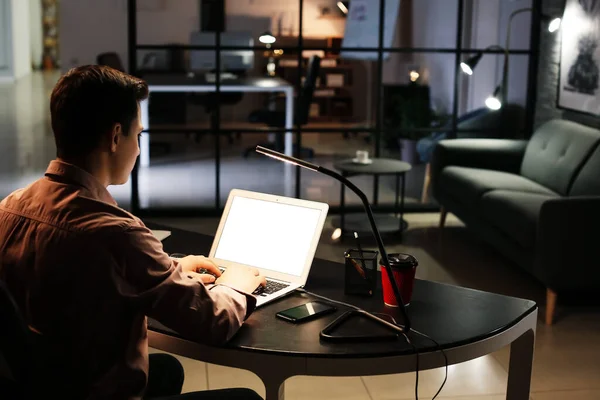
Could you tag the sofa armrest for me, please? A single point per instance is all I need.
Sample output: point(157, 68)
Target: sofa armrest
point(497, 154)
point(568, 248)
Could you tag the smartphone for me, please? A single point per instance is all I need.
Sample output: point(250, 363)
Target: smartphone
point(306, 312)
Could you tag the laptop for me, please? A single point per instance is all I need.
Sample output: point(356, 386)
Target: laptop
point(275, 234)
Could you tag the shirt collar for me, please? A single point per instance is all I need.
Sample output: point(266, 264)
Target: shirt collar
point(75, 175)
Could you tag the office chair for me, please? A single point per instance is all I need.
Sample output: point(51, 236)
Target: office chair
point(16, 347)
point(276, 119)
point(209, 100)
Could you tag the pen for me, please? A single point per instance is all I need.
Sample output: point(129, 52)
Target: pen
point(360, 252)
point(357, 267)
point(362, 261)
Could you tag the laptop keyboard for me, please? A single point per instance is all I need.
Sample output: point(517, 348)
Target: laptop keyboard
point(205, 271)
point(271, 288)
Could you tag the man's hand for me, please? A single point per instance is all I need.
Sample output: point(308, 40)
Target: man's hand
point(244, 279)
point(193, 264)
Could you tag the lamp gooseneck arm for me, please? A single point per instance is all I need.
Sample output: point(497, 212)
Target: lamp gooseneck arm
point(380, 246)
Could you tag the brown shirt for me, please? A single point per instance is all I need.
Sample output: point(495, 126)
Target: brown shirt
point(86, 273)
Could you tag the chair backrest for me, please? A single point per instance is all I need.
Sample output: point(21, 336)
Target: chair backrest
point(209, 100)
point(505, 123)
point(111, 60)
point(557, 152)
point(307, 90)
point(15, 341)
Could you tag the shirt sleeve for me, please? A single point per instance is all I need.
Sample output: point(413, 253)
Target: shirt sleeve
point(147, 277)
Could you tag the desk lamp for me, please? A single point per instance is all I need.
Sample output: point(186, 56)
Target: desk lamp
point(386, 263)
point(268, 39)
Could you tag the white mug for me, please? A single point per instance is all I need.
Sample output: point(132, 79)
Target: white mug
point(362, 156)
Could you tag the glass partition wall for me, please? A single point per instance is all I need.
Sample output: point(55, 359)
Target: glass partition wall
point(395, 105)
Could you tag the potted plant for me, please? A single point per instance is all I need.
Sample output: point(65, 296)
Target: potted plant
point(406, 108)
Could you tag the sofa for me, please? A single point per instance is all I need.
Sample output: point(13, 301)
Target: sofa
point(479, 123)
point(537, 202)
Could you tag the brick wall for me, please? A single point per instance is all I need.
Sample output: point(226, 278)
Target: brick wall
point(548, 74)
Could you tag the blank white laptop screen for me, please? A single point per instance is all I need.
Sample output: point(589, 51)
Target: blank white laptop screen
point(268, 235)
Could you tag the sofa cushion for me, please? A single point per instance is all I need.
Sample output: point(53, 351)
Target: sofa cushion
point(514, 213)
point(556, 152)
point(587, 182)
point(467, 185)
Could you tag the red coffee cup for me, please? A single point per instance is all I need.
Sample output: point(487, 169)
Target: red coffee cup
point(403, 267)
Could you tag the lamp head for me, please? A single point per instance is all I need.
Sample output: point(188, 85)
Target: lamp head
point(267, 38)
point(554, 25)
point(470, 63)
point(494, 102)
point(465, 68)
point(287, 159)
point(343, 6)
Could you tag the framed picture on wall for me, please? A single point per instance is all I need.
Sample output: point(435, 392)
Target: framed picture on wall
point(579, 81)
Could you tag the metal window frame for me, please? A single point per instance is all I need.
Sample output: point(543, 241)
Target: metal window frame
point(458, 51)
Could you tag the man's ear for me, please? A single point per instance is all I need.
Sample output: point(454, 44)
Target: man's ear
point(115, 137)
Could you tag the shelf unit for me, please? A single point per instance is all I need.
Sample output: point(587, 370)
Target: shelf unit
point(333, 99)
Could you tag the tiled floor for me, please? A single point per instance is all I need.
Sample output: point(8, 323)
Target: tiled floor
point(567, 359)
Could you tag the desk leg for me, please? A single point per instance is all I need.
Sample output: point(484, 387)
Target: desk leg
point(145, 139)
point(275, 389)
point(519, 370)
point(288, 169)
point(289, 120)
point(396, 211)
point(402, 203)
point(274, 381)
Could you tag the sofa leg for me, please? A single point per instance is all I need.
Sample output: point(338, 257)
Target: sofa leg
point(550, 306)
point(426, 182)
point(443, 214)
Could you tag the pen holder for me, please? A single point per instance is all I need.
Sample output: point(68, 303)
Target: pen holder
point(361, 272)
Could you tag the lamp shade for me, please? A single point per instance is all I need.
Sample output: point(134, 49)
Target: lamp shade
point(470, 63)
point(494, 102)
point(554, 25)
point(343, 6)
point(267, 38)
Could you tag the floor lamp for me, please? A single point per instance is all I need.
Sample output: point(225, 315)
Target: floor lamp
point(499, 96)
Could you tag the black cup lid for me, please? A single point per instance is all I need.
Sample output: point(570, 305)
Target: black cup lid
point(401, 260)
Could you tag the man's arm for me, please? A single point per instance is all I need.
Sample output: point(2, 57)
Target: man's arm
point(147, 277)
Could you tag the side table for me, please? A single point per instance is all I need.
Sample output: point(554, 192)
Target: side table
point(379, 166)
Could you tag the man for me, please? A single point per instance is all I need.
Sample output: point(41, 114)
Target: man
point(86, 273)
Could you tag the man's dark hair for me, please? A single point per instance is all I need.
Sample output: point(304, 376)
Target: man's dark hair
point(86, 103)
